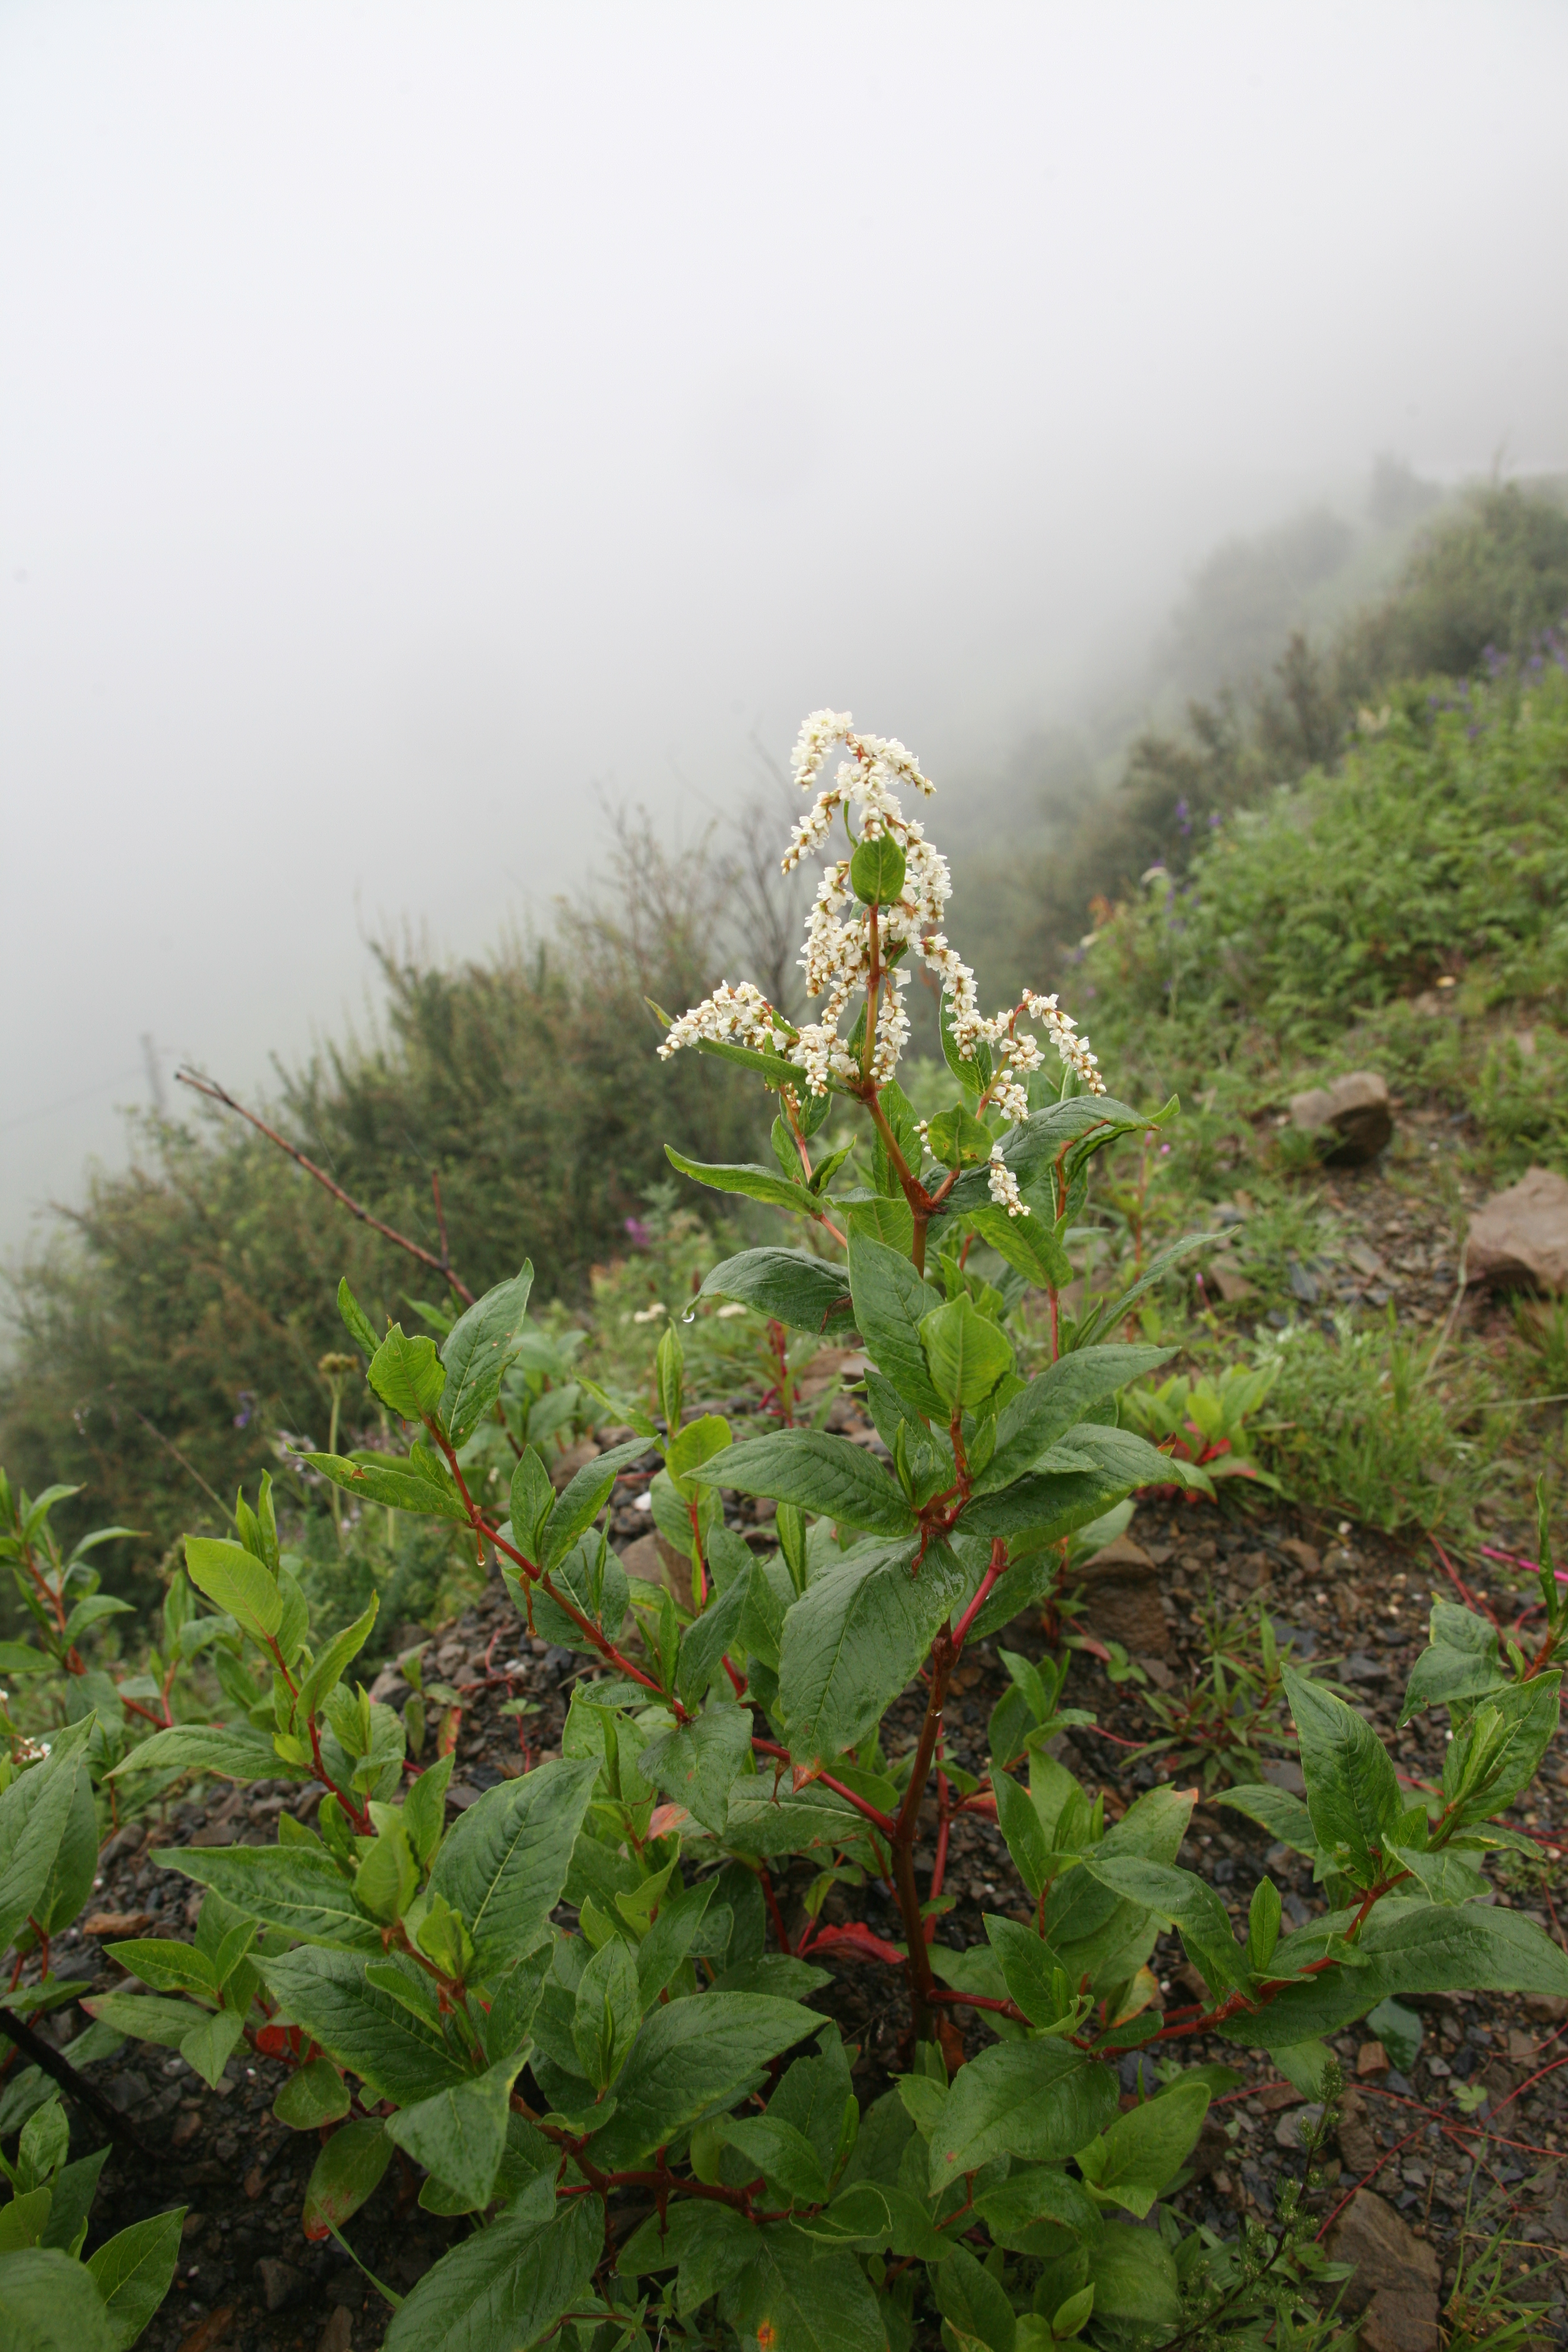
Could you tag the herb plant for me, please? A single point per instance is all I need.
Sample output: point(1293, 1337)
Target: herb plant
point(652, 2131)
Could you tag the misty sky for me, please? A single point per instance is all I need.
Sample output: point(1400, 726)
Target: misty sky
point(414, 418)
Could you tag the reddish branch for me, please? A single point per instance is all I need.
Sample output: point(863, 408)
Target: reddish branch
point(441, 1265)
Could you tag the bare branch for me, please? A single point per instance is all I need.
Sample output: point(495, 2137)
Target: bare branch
point(441, 1265)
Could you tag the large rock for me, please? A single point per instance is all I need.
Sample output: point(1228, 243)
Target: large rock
point(653, 1561)
point(1356, 1113)
point(1394, 2277)
point(1521, 1236)
point(1122, 1597)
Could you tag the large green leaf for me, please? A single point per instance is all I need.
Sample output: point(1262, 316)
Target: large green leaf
point(853, 1640)
point(890, 1300)
point(1138, 2154)
point(505, 1861)
point(1029, 1149)
point(1285, 1817)
point(1353, 1795)
point(401, 2056)
point(35, 1818)
point(1407, 1946)
point(407, 1374)
point(1037, 2100)
point(396, 1485)
point(477, 1352)
point(966, 1353)
point(148, 2016)
point(817, 1472)
point(697, 1763)
point(798, 2296)
point(236, 1582)
point(1179, 1897)
point(460, 2134)
point(133, 2270)
point(584, 1498)
point(1044, 1507)
point(756, 1183)
point(1056, 1402)
point(50, 2304)
point(765, 1820)
point(1134, 2273)
point(504, 2288)
point(299, 1888)
point(1027, 1244)
point(791, 1286)
point(691, 2057)
point(231, 1752)
point(71, 1873)
point(347, 2171)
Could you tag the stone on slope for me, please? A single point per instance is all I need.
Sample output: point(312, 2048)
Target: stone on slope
point(1521, 1236)
point(1356, 1113)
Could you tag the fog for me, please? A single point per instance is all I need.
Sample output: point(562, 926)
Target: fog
point(418, 423)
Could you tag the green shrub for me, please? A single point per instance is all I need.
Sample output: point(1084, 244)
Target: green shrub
point(655, 2066)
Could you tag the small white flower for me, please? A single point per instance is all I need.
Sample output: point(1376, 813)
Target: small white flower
point(732, 1307)
point(651, 1314)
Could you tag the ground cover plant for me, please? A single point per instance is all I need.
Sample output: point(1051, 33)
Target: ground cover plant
point(649, 2130)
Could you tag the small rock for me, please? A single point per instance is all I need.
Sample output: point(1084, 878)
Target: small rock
point(1121, 1588)
point(1520, 2047)
point(1284, 1773)
point(653, 1561)
point(281, 2283)
point(1231, 1283)
point(186, 2127)
point(338, 2334)
point(1209, 2156)
point(1294, 2128)
point(1304, 1555)
point(1393, 2276)
point(1356, 1113)
point(1521, 1236)
point(1372, 2058)
point(126, 2091)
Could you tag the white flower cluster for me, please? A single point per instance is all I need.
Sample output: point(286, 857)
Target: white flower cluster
point(845, 942)
point(1005, 1186)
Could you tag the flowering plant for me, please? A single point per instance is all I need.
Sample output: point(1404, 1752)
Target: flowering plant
point(649, 2127)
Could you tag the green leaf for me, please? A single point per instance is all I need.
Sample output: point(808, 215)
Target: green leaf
point(698, 1442)
point(407, 1374)
point(974, 2304)
point(1352, 1795)
point(401, 2056)
point(956, 1138)
point(808, 2298)
point(296, 1887)
point(19, 1658)
point(346, 2172)
point(34, 1816)
point(236, 1582)
point(392, 1483)
point(890, 1300)
point(1133, 2274)
point(328, 1670)
point(1041, 1416)
point(505, 1859)
point(1138, 2154)
point(967, 1354)
point(460, 2134)
point(608, 2011)
point(71, 1872)
point(819, 1472)
point(1179, 1897)
point(361, 1330)
point(855, 1638)
point(1495, 1755)
point(1462, 1663)
point(724, 1621)
point(883, 1218)
point(1407, 1946)
point(691, 2056)
point(477, 1352)
point(776, 2149)
point(1041, 2101)
point(1028, 1245)
point(146, 2017)
point(697, 1764)
point(877, 871)
point(504, 2288)
point(50, 2304)
point(1046, 1505)
point(70, 2199)
point(1024, 1834)
point(235, 1753)
point(23, 2219)
point(211, 2043)
point(1030, 1969)
point(1285, 1817)
point(314, 2094)
point(584, 1498)
point(791, 1286)
point(756, 1183)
